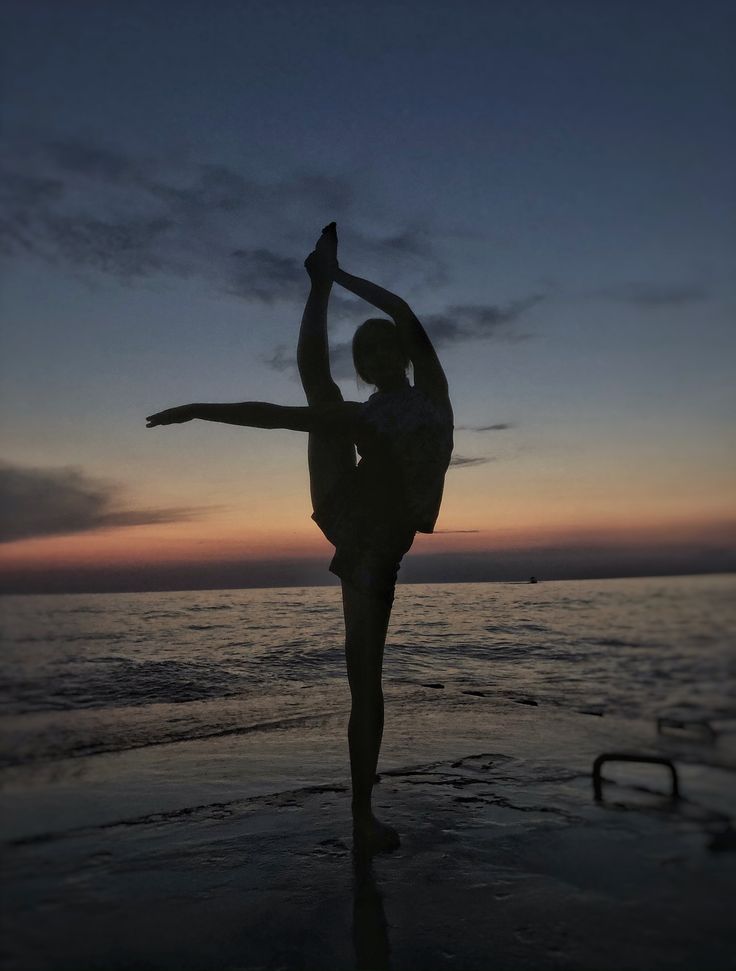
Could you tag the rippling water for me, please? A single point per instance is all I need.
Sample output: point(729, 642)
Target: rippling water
point(104, 673)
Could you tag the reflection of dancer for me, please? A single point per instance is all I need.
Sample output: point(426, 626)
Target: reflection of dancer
point(372, 511)
point(370, 928)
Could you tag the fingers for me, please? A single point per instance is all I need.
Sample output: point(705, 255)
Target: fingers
point(161, 418)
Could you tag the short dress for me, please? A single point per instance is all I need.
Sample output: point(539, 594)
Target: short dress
point(404, 440)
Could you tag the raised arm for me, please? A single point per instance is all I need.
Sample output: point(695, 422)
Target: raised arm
point(428, 374)
point(337, 416)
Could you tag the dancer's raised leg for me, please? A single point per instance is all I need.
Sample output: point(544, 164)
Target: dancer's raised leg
point(331, 456)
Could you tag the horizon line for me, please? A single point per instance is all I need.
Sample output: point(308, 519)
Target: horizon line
point(335, 584)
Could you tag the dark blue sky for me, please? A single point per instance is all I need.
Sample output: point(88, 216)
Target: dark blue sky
point(550, 184)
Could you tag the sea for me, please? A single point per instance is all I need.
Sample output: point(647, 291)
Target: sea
point(84, 675)
point(176, 786)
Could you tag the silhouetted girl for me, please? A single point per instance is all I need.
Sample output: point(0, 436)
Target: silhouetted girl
point(370, 511)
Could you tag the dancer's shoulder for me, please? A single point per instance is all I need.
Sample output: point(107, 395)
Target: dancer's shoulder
point(339, 415)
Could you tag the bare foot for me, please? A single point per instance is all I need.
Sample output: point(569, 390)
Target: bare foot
point(373, 836)
point(322, 261)
point(326, 245)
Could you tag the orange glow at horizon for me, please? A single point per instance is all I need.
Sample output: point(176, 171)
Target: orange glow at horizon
point(216, 542)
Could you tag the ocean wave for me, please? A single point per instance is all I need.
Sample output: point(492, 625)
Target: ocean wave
point(80, 746)
point(602, 649)
point(197, 608)
point(117, 683)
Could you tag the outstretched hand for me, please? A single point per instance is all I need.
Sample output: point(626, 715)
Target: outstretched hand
point(322, 261)
point(171, 416)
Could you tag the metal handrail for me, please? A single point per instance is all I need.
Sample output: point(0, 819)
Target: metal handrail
point(628, 757)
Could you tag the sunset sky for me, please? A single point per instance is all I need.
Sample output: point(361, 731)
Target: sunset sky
point(549, 184)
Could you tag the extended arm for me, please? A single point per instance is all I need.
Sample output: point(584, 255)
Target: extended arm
point(428, 373)
point(340, 416)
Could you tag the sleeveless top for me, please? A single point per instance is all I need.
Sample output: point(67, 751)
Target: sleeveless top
point(404, 440)
point(405, 443)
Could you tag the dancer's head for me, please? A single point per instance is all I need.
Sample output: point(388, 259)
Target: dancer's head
point(378, 355)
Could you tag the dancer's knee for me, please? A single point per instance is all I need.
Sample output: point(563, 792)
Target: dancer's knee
point(364, 678)
point(366, 702)
point(314, 371)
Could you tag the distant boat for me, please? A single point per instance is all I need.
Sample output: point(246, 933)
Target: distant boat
point(533, 580)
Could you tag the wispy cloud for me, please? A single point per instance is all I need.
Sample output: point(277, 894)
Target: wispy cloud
point(125, 248)
point(498, 427)
point(652, 295)
point(456, 324)
point(456, 531)
point(55, 501)
point(283, 359)
point(462, 322)
point(93, 207)
point(466, 462)
point(262, 274)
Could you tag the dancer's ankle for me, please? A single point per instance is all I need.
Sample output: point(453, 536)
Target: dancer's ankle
point(362, 811)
